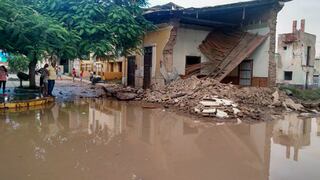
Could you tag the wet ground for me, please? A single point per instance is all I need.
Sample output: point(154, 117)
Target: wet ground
point(65, 90)
point(103, 139)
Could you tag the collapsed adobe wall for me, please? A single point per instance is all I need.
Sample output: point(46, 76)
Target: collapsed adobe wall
point(167, 61)
point(272, 70)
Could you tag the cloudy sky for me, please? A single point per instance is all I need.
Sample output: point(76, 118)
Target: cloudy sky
point(297, 9)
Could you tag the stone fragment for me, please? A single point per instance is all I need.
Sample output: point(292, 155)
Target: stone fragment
point(221, 114)
point(236, 111)
point(197, 110)
point(125, 96)
point(276, 97)
point(209, 111)
point(292, 105)
point(210, 103)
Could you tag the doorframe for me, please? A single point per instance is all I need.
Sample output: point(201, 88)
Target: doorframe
point(154, 57)
point(151, 66)
point(135, 67)
point(249, 60)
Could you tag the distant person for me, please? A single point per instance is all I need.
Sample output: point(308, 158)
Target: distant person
point(91, 75)
point(59, 73)
point(81, 75)
point(74, 74)
point(3, 78)
point(52, 78)
point(95, 79)
point(44, 75)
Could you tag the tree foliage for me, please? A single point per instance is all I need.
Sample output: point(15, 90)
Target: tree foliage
point(71, 28)
point(18, 63)
point(106, 27)
point(24, 31)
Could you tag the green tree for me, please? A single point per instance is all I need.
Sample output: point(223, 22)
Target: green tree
point(71, 28)
point(24, 31)
point(106, 27)
point(18, 63)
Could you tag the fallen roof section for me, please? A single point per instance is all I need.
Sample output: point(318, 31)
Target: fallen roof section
point(227, 49)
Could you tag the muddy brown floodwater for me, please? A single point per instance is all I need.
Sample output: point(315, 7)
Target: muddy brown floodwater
point(109, 140)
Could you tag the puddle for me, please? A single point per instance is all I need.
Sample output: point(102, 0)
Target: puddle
point(12, 95)
point(113, 140)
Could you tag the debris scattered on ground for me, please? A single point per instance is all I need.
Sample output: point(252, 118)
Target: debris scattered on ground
point(210, 98)
point(125, 96)
point(123, 93)
point(292, 105)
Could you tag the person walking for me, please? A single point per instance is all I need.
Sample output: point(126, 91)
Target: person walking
point(59, 73)
point(74, 74)
point(51, 78)
point(81, 76)
point(3, 78)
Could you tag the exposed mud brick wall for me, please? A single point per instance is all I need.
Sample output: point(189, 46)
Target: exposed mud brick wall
point(168, 49)
point(272, 72)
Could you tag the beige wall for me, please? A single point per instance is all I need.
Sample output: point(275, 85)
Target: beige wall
point(157, 39)
point(187, 43)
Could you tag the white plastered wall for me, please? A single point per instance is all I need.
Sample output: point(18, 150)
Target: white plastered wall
point(294, 59)
point(291, 60)
point(260, 56)
point(187, 44)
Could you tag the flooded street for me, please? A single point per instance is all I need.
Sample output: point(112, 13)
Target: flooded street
point(105, 139)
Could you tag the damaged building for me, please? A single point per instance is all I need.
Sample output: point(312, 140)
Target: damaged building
point(296, 64)
point(233, 43)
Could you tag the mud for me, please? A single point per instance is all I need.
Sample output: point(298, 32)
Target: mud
point(103, 139)
point(66, 90)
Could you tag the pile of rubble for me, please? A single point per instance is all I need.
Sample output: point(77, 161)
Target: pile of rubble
point(208, 97)
point(123, 93)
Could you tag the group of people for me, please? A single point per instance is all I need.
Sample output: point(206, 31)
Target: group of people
point(48, 76)
point(74, 74)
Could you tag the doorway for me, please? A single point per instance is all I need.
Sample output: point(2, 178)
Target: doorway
point(193, 65)
point(131, 70)
point(147, 67)
point(245, 73)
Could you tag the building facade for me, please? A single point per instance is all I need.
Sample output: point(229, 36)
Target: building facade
point(296, 64)
point(233, 43)
point(316, 75)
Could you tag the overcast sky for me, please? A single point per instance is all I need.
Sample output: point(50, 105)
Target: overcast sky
point(297, 9)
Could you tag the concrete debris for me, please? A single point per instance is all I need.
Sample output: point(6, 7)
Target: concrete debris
point(197, 110)
point(125, 96)
point(276, 97)
point(222, 114)
point(123, 93)
point(236, 111)
point(209, 111)
point(292, 105)
point(208, 97)
point(210, 103)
